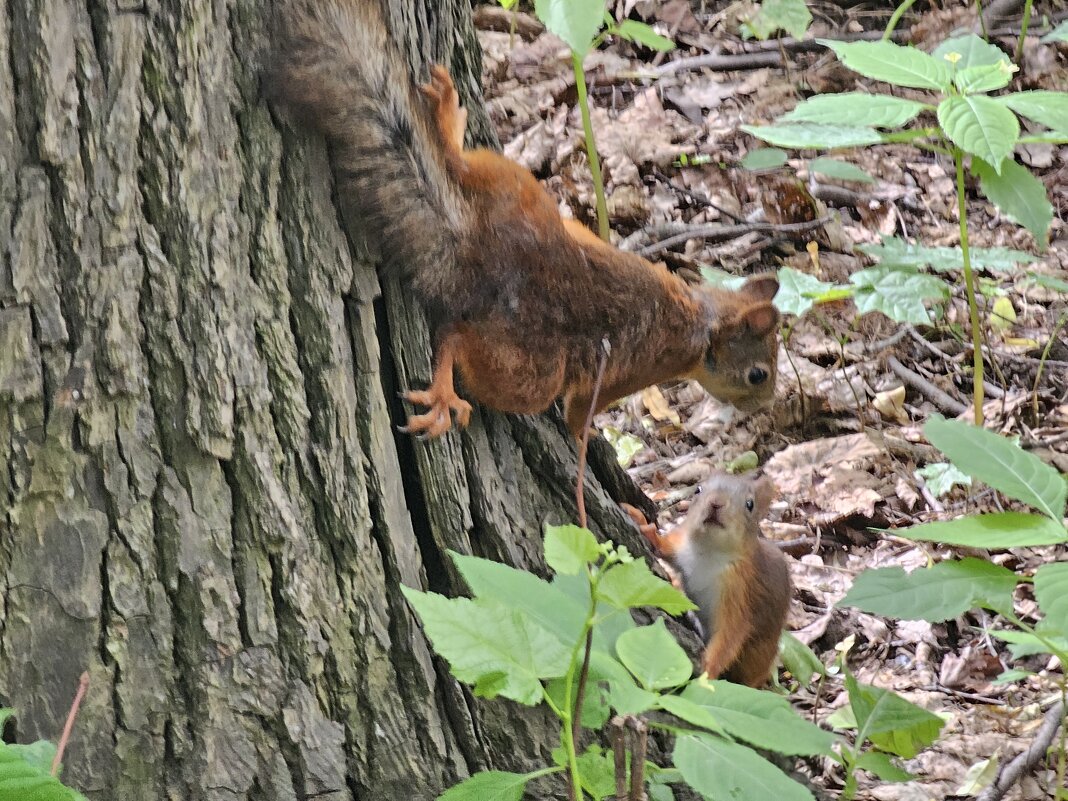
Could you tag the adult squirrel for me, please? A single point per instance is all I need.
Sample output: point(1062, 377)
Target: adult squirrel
point(739, 581)
point(523, 298)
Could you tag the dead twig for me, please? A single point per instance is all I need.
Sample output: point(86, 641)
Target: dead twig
point(720, 232)
point(1014, 770)
point(937, 396)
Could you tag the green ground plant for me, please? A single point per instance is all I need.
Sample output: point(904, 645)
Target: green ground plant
point(970, 125)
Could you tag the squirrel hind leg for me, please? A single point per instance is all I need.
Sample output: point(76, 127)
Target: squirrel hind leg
point(449, 118)
point(440, 396)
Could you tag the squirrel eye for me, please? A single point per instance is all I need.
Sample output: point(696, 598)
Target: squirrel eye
point(749, 504)
point(698, 490)
point(757, 375)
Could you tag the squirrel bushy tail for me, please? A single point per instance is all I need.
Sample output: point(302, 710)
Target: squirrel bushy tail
point(337, 70)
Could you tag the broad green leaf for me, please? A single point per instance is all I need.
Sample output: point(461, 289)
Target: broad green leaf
point(1019, 195)
point(1000, 463)
point(39, 754)
point(495, 649)
point(941, 477)
point(934, 594)
point(1023, 643)
point(842, 170)
point(897, 292)
point(574, 21)
point(723, 279)
point(996, 531)
point(855, 108)
point(568, 549)
point(970, 51)
point(981, 126)
point(1058, 34)
point(544, 603)
point(791, 16)
point(802, 135)
point(1051, 592)
point(886, 61)
point(610, 621)
point(626, 446)
point(644, 35)
point(1049, 282)
point(895, 250)
point(719, 769)
point(632, 584)
point(22, 780)
point(799, 292)
point(687, 710)
point(883, 766)
point(760, 718)
point(1010, 676)
point(651, 654)
point(985, 78)
point(799, 659)
point(597, 772)
point(891, 722)
point(1046, 108)
point(764, 158)
point(490, 785)
point(617, 686)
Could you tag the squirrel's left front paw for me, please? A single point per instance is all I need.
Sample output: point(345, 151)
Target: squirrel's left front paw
point(438, 419)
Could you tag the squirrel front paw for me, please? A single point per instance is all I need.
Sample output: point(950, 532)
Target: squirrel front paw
point(438, 419)
point(647, 529)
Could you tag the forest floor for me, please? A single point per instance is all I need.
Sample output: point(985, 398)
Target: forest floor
point(844, 443)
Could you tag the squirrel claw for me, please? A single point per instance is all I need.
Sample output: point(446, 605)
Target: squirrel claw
point(438, 419)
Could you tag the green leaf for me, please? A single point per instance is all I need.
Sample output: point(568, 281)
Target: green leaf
point(688, 711)
point(791, 16)
point(25, 780)
point(993, 531)
point(799, 659)
point(719, 769)
point(1010, 676)
point(985, 78)
point(799, 292)
point(891, 722)
point(618, 686)
point(533, 597)
point(568, 549)
point(575, 21)
point(1051, 592)
point(1020, 196)
point(490, 785)
point(934, 594)
point(981, 126)
point(941, 477)
point(1000, 463)
point(610, 624)
point(895, 250)
point(653, 656)
point(597, 772)
point(626, 446)
point(495, 649)
point(841, 170)
point(644, 35)
point(801, 135)
point(886, 61)
point(971, 51)
point(632, 585)
point(855, 108)
point(764, 158)
point(1046, 108)
point(39, 754)
point(760, 718)
point(883, 767)
point(1049, 282)
point(723, 279)
point(1023, 643)
point(1058, 34)
point(897, 292)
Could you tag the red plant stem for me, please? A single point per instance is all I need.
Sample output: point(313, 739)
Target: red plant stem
point(580, 495)
point(83, 685)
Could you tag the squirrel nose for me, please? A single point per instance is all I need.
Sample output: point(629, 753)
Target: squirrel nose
point(712, 513)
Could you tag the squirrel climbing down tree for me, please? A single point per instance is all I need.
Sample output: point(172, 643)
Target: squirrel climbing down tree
point(523, 298)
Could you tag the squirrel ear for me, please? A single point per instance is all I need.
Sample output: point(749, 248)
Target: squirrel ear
point(761, 287)
point(761, 319)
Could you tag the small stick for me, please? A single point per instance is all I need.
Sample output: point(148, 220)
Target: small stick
point(718, 233)
point(943, 400)
point(83, 685)
point(620, 752)
point(1023, 762)
point(637, 758)
point(580, 495)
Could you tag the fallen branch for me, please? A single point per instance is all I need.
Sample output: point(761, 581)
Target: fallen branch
point(937, 396)
point(718, 233)
point(1014, 770)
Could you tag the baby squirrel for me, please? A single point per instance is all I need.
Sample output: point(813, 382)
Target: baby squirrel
point(739, 581)
point(523, 298)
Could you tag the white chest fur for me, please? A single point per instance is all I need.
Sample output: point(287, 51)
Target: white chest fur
point(702, 577)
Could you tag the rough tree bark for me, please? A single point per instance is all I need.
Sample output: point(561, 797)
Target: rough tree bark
point(205, 504)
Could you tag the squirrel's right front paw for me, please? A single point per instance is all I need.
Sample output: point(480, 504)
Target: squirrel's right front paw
point(438, 419)
point(647, 529)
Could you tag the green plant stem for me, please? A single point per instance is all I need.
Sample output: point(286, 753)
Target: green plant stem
point(571, 716)
point(895, 18)
point(1023, 30)
point(591, 146)
point(969, 289)
point(1042, 363)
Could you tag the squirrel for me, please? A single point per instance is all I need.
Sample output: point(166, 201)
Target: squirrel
point(739, 581)
point(523, 297)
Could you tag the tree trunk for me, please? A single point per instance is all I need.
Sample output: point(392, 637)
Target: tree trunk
point(206, 504)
